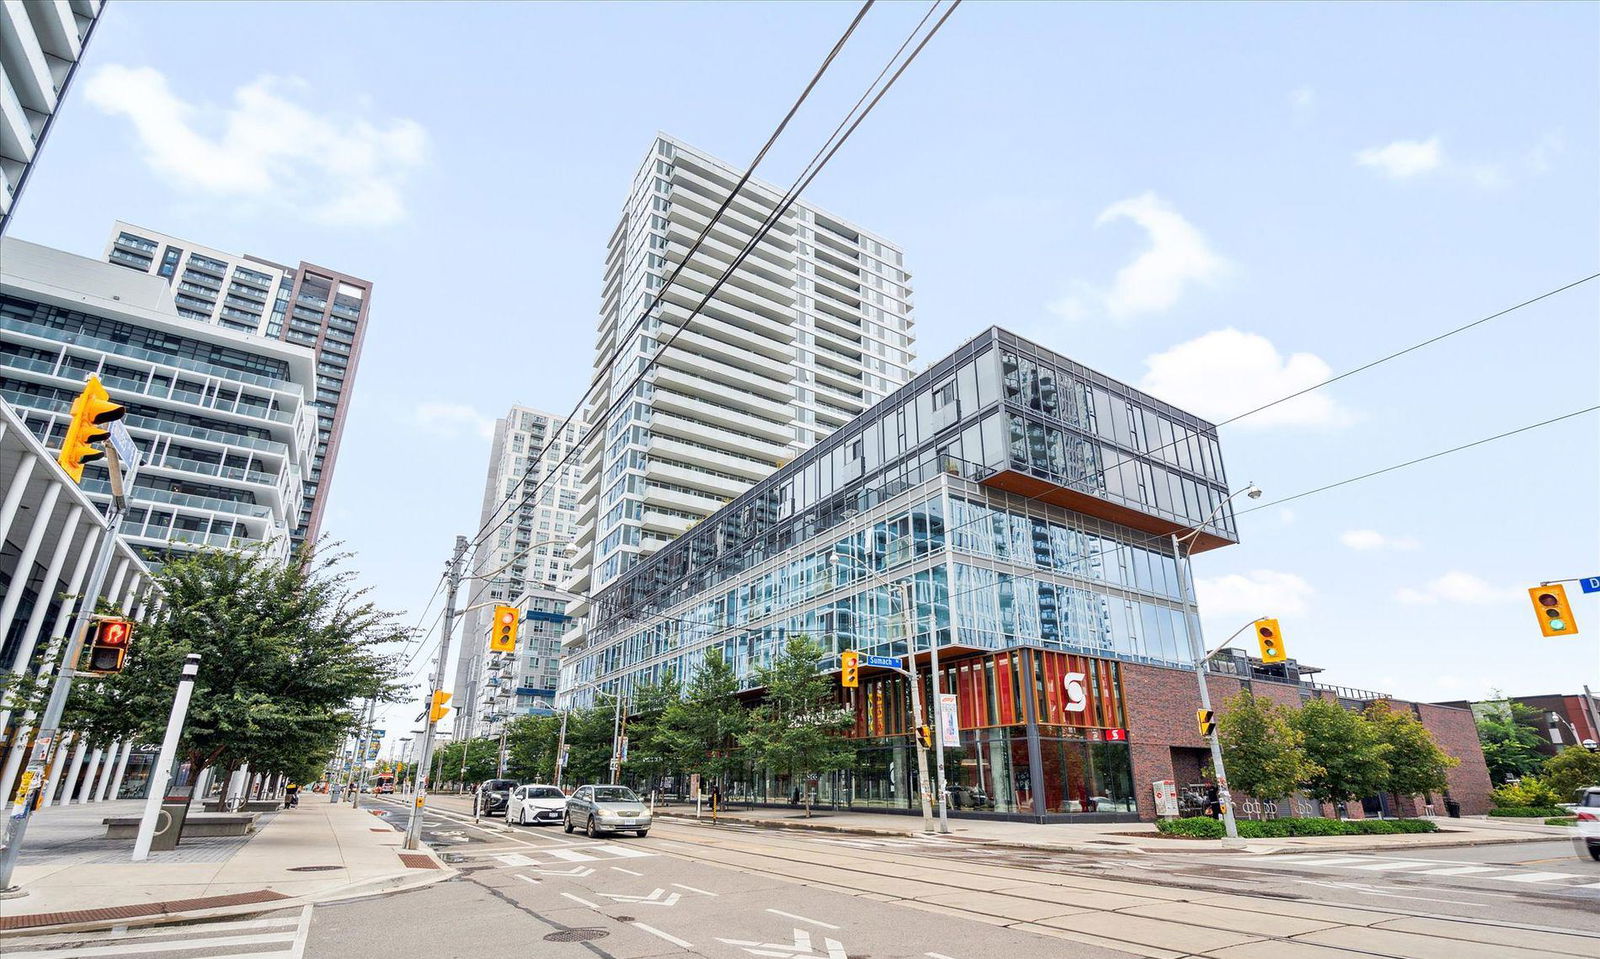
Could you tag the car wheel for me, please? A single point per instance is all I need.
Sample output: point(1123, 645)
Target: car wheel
point(592, 831)
point(642, 833)
point(1594, 853)
point(566, 823)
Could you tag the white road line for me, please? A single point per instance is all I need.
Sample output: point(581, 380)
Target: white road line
point(1390, 866)
point(570, 856)
point(814, 922)
point(624, 852)
point(1459, 870)
point(1537, 877)
point(1315, 860)
point(300, 934)
point(690, 888)
point(286, 925)
point(126, 948)
point(652, 930)
point(936, 955)
point(578, 900)
point(516, 859)
point(526, 878)
point(628, 871)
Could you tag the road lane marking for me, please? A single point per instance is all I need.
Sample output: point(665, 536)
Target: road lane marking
point(628, 871)
point(580, 900)
point(690, 888)
point(1458, 870)
point(937, 955)
point(801, 949)
point(526, 878)
point(624, 852)
point(301, 932)
point(1390, 866)
point(1538, 877)
point(790, 915)
point(652, 930)
point(516, 859)
point(657, 897)
point(570, 856)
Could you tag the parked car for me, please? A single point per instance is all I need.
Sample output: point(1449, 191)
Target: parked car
point(597, 809)
point(534, 803)
point(493, 795)
point(1588, 824)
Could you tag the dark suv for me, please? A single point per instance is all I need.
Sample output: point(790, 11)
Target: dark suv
point(492, 796)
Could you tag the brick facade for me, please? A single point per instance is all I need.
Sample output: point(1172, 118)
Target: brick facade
point(1457, 734)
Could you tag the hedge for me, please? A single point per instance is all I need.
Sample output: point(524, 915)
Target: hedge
point(1202, 827)
point(1561, 821)
point(1529, 812)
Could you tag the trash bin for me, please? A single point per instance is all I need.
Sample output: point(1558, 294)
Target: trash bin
point(1452, 809)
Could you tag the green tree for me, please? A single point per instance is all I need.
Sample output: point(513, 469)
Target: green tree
point(1345, 749)
point(1262, 748)
point(651, 750)
point(1511, 740)
point(285, 649)
point(1417, 766)
point(799, 726)
point(1570, 770)
point(701, 732)
point(531, 748)
point(589, 742)
point(482, 760)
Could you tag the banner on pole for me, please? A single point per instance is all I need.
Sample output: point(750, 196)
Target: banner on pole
point(949, 720)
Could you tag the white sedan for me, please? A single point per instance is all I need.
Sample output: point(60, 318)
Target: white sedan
point(533, 804)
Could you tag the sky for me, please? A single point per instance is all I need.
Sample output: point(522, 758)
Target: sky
point(1222, 204)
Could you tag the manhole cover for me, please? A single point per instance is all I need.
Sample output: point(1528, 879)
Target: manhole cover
point(313, 868)
point(576, 935)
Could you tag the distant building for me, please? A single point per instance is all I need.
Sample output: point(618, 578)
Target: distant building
point(520, 563)
point(41, 42)
point(221, 417)
point(1564, 720)
point(814, 326)
point(308, 305)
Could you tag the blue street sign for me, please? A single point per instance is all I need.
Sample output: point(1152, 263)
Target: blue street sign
point(1591, 584)
point(890, 662)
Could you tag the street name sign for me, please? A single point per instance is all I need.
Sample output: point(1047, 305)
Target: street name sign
point(1591, 584)
point(886, 662)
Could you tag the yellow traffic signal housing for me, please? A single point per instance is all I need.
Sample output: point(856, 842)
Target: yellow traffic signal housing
point(1271, 640)
point(90, 411)
point(108, 647)
point(439, 710)
point(503, 637)
point(850, 669)
point(1207, 721)
point(925, 736)
point(1555, 616)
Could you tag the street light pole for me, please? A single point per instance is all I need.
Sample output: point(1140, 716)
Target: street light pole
point(414, 823)
point(1197, 647)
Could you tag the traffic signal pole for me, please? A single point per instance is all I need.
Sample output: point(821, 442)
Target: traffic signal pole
point(1197, 645)
point(916, 708)
point(414, 823)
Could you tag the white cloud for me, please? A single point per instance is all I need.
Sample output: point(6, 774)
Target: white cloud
point(1262, 592)
point(452, 420)
point(1178, 256)
point(1302, 100)
point(1455, 587)
point(1287, 516)
point(1403, 158)
point(1371, 539)
point(1226, 372)
point(265, 148)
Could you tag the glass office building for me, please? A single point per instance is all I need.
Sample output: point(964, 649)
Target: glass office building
point(1025, 501)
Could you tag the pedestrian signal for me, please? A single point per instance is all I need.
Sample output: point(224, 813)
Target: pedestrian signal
point(1555, 616)
point(438, 710)
point(1271, 640)
point(1207, 720)
point(90, 411)
point(503, 639)
point(108, 647)
point(850, 669)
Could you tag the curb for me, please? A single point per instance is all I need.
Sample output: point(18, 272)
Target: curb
point(1113, 849)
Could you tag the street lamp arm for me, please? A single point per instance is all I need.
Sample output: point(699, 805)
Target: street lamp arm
point(1225, 643)
point(1250, 489)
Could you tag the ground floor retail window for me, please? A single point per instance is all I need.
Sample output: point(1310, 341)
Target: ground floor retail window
point(1085, 777)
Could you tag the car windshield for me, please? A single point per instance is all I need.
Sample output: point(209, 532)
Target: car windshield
point(1592, 799)
point(498, 784)
point(545, 792)
point(614, 794)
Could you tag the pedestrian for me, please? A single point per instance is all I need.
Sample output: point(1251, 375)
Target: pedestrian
point(291, 795)
point(1213, 801)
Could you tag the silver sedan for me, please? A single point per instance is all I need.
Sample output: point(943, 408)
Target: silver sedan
point(598, 809)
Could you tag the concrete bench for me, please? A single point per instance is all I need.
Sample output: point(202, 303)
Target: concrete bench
point(200, 825)
point(253, 805)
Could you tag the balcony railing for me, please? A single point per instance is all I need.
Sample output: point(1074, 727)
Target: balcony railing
point(58, 337)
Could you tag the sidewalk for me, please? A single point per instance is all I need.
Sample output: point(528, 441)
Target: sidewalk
point(1129, 837)
point(76, 878)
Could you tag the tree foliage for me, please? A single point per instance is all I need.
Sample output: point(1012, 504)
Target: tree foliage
point(1511, 741)
point(1262, 748)
point(285, 650)
point(482, 755)
point(799, 726)
point(701, 731)
point(1570, 770)
point(1349, 757)
point(1416, 764)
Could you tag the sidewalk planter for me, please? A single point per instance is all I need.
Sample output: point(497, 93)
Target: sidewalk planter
point(1200, 827)
point(1528, 812)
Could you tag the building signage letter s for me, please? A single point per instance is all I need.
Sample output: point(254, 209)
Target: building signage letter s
point(1077, 697)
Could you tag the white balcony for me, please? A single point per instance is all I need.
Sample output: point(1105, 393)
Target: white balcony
point(712, 412)
point(677, 449)
point(755, 404)
point(665, 423)
point(716, 486)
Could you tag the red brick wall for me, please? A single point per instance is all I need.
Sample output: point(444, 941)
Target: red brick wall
point(1457, 735)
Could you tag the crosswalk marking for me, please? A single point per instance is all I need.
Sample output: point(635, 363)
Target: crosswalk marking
point(1431, 867)
point(516, 859)
point(1536, 877)
point(1458, 870)
point(593, 853)
point(218, 939)
point(1388, 866)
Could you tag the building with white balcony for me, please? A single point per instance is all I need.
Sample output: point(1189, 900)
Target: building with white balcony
point(813, 327)
point(530, 508)
point(309, 305)
point(221, 417)
point(41, 42)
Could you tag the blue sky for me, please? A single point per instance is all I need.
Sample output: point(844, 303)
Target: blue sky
point(1222, 203)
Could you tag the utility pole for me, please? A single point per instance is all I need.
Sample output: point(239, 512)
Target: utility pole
point(1201, 666)
point(48, 739)
point(361, 750)
point(916, 710)
point(414, 824)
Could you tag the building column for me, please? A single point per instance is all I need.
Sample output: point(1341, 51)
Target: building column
point(109, 771)
point(111, 593)
point(52, 773)
point(1035, 753)
point(122, 767)
point(19, 485)
point(92, 769)
point(39, 522)
point(74, 770)
point(35, 624)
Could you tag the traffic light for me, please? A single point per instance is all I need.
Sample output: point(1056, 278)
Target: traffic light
point(90, 411)
point(108, 647)
point(503, 638)
point(850, 669)
point(438, 710)
point(1555, 616)
point(1271, 640)
point(1207, 720)
point(925, 737)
